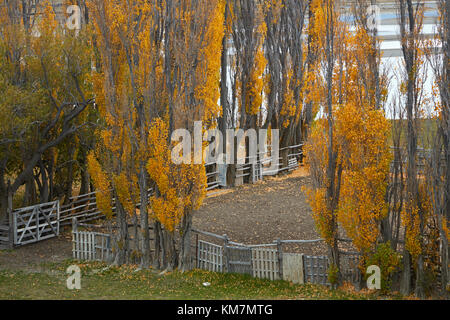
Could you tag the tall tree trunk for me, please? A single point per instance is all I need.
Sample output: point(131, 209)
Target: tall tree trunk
point(157, 256)
point(185, 243)
point(409, 38)
point(122, 239)
point(405, 284)
point(310, 62)
point(137, 240)
point(223, 120)
point(3, 198)
point(145, 232)
point(170, 251)
point(85, 179)
point(30, 193)
point(69, 181)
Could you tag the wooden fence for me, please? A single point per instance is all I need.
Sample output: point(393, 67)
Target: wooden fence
point(349, 264)
point(35, 223)
point(83, 207)
point(239, 259)
point(43, 221)
point(265, 261)
point(89, 245)
point(4, 237)
point(316, 269)
point(209, 256)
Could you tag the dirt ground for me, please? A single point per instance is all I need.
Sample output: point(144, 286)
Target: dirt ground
point(30, 257)
point(260, 213)
point(250, 214)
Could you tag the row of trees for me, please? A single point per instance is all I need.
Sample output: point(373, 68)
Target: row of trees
point(46, 97)
point(358, 183)
point(96, 107)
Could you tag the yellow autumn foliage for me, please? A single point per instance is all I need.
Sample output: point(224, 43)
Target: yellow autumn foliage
point(182, 188)
point(102, 185)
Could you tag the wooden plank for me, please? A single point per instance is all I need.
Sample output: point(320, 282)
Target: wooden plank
point(28, 214)
point(30, 208)
point(293, 268)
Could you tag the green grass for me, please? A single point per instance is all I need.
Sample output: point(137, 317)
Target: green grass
point(100, 282)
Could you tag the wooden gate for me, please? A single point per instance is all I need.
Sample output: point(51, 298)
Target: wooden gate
point(349, 266)
point(316, 269)
point(91, 246)
point(265, 263)
point(209, 256)
point(239, 259)
point(36, 223)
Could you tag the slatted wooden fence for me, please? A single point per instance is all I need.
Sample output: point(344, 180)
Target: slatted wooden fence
point(349, 266)
point(212, 176)
point(209, 256)
point(83, 207)
point(316, 269)
point(91, 246)
point(4, 236)
point(239, 259)
point(262, 260)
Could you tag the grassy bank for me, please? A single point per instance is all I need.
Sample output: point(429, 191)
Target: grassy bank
point(101, 282)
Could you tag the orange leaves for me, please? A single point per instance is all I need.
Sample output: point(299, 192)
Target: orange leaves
point(411, 221)
point(316, 152)
point(289, 108)
point(102, 185)
point(122, 186)
point(182, 187)
point(362, 206)
point(365, 156)
point(208, 91)
point(159, 154)
point(360, 133)
point(321, 214)
point(445, 227)
point(256, 84)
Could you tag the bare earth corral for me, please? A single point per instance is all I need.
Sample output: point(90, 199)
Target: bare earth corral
point(260, 213)
point(250, 214)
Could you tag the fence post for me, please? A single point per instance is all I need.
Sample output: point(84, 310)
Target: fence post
point(74, 238)
point(12, 227)
point(225, 253)
point(58, 209)
point(74, 224)
point(280, 259)
point(196, 250)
